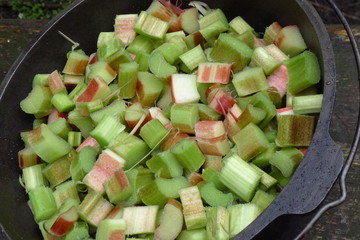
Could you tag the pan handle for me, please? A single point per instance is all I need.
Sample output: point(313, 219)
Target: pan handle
point(355, 142)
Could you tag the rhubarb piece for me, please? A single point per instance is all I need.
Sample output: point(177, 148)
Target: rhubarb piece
point(106, 165)
point(218, 223)
point(94, 208)
point(193, 208)
point(193, 58)
point(266, 180)
point(214, 197)
point(62, 102)
point(250, 142)
point(307, 104)
point(96, 89)
point(135, 115)
point(40, 80)
point(210, 175)
point(110, 229)
point(279, 80)
point(262, 199)
point(71, 81)
point(127, 79)
point(260, 100)
point(60, 127)
point(303, 71)
point(212, 17)
point(138, 178)
point(161, 189)
point(61, 222)
point(80, 230)
point(170, 51)
point(189, 20)
point(276, 53)
point(214, 162)
point(171, 221)
point(159, 66)
point(83, 163)
point(42, 203)
point(194, 39)
point(95, 105)
point(164, 11)
point(123, 27)
point(141, 44)
point(84, 124)
point(33, 177)
point(188, 154)
point(76, 63)
point(247, 178)
point(250, 114)
point(250, 81)
point(101, 69)
point(208, 114)
point(262, 160)
point(27, 157)
point(184, 117)
point(59, 171)
point(53, 116)
point(64, 191)
point(194, 178)
point(214, 73)
point(151, 26)
point(295, 130)
point(290, 40)
point(271, 32)
point(241, 215)
point(183, 88)
point(222, 102)
point(211, 137)
point(165, 165)
point(117, 187)
point(112, 46)
point(38, 101)
point(79, 89)
point(239, 25)
point(262, 58)
point(140, 219)
point(91, 142)
point(117, 109)
point(149, 88)
point(157, 113)
point(107, 129)
point(203, 89)
point(196, 234)
point(286, 160)
point(104, 38)
point(47, 145)
point(130, 148)
point(173, 138)
point(229, 49)
point(56, 83)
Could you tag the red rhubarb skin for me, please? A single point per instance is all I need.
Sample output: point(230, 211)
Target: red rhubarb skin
point(55, 82)
point(90, 141)
point(90, 92)
point(222, 102)
point(279, 79)
point(117, 235)
point(62, 226)
point(173, 138)
point(93, 58)
point(209, 129)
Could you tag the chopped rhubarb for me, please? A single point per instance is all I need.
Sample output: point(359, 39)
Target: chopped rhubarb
point(97, 89)
point(90, 141)
point(279, 79)
point(55, 82)
point(222, 102)
point(124, 27)
point(214, 73)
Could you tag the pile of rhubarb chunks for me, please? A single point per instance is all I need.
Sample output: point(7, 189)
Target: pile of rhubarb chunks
point(181, 125)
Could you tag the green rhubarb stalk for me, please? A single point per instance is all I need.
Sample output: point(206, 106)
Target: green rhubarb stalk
point(33, 177)
point(250, 81)
point(38, 101)
point(116, 108)
point(286, 160)
point(111, 229)
point(153, 132)
point(66, 191)
point(107, 129)
point(184, 117)
point(140, 219)
point(218, 223)
point(47, 145)
point(262, 199)
point(266, 180)
point(42, 203)
point(214, 197)
point(165, 165)
point(247, 178)
point(59, 171)
point(151, 26)
point(307, 104)
point(188, 154)
point(193, 57)
point(193, 208)
point(241, 215)
point(127, 79)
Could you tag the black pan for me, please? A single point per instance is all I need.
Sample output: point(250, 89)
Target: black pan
point(83, 21)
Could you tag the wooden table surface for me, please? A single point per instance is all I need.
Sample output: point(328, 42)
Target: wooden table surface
point(341, 222)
